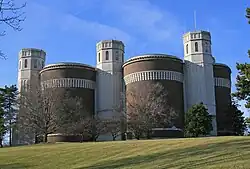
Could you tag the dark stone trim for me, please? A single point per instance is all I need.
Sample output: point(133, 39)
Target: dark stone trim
point(66, 65)
point(147, 57)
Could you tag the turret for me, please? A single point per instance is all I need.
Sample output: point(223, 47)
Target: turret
point(31, 62)
point(199, 75)
point(110, 86)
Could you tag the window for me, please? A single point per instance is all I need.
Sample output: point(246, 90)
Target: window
point(122, 57)
point(42, 64)
point(99, 57)
point(206, 47)
point(20, 64)
point(187, 48)
point(38, 64)
point(25, 63)
point(24, 53)
point(35, 63)
point(28, 53)
point(107, 55)
point(196, 46)
point(116, 55)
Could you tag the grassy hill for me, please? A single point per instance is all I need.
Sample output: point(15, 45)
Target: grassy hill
point(214, 152)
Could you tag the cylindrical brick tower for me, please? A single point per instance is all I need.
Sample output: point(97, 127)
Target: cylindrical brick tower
point(222, 82)
point(167, 70)
point(75, 78)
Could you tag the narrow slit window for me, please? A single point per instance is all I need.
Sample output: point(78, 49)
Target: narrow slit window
point(116, 55)
point(25, 63)
point(107, 55)
point(35, 63)
point(20, 64)
point(206, 47)
point(196, 47)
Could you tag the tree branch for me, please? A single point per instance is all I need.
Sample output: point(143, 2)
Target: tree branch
point(12, 16)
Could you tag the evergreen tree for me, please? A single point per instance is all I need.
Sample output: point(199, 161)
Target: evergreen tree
point(243, 77)
point(248, 15)
point(239, 123)
point(2, 128)
point(10, 107)
point(247, 120)
point(198, 121)
point(2, 120)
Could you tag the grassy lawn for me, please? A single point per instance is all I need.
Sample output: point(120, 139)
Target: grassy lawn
point(220, 152)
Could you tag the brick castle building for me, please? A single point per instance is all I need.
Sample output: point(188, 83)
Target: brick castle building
point(197, 78)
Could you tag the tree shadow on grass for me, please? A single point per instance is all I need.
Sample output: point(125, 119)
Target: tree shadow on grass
point(191, 157)
point(15, 166)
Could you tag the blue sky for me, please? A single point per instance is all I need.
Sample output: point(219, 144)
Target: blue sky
point(68, 30)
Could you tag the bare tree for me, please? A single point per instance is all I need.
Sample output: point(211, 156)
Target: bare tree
point(77, 120)
point(59, 112)
point(113, 126)
point(83, 127)
point(99, 127)
point(39, 111)
point(147, 108)
point(11, 15)
point(89, 127)
point(73, 112)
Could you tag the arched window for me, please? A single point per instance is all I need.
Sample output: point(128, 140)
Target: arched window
point(206, 47)
point(122, 57)
point(20, 64)
point(35, 63)
point(196, 46)
point(99, 57)
point(25, 63)
point(116, 55)
point(38, 64)
point(25, 85)
point(107, 55)
point(187, 48)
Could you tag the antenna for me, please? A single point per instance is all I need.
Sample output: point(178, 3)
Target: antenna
point(195, 20)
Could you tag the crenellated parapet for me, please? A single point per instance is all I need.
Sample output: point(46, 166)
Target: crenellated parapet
point(197, 35)
point(32, 52)
point(110, 44)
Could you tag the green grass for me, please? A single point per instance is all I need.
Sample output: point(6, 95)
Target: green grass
point(213, 152)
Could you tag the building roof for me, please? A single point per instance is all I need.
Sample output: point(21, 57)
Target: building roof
point(221, 64)
point(67, 65)
point(151, 56)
